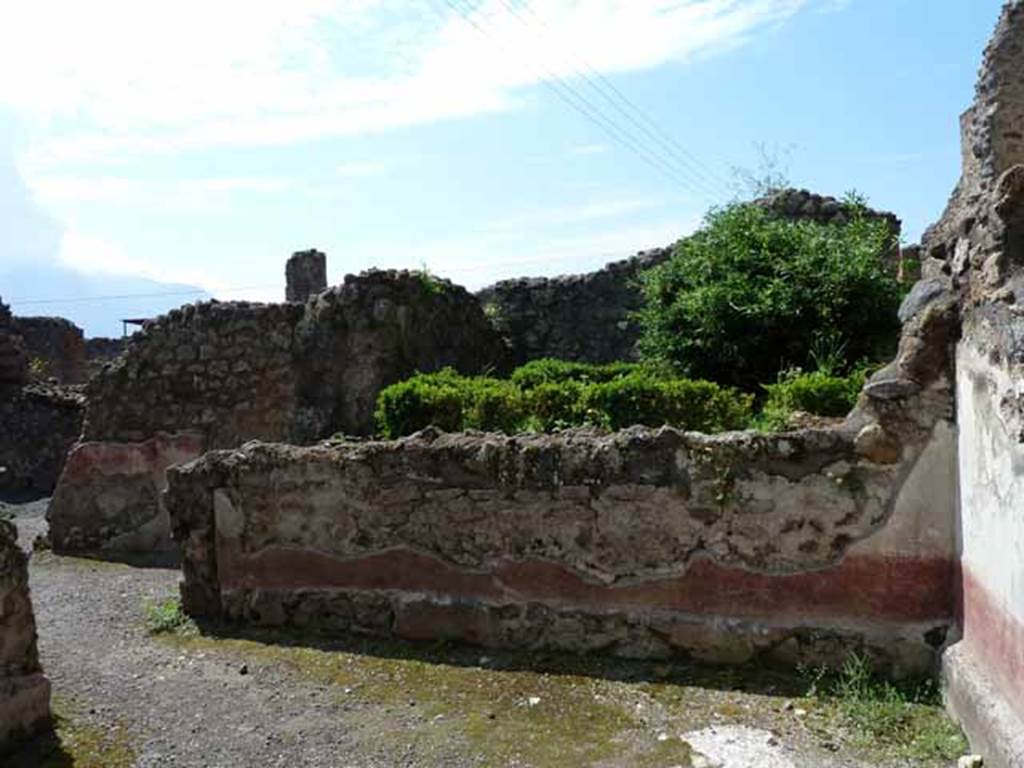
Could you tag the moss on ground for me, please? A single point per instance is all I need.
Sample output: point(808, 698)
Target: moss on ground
point(77, 742)
point(549, 709)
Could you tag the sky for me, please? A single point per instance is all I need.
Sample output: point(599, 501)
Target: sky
point(200, 143)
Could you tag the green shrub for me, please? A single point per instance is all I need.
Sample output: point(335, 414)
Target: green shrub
point(492, 405)
point(750, 295)
point(555, 405)
point(549, 370)
point(819, 392)
point(694, 405)
point(424, 400)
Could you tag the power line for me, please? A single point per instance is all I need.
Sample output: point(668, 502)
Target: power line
point(116, 297)
point(568, 94)
point(625, 106)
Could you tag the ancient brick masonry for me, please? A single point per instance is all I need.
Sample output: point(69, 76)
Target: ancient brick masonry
point(799, 546)
point(24, 691)
point(214, 375)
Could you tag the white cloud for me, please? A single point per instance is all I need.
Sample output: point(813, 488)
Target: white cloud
point(187, 194)
point(125, 76)
point(92, 254)
point(354, 170)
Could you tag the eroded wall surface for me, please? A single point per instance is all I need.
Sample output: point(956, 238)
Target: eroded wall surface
point(977, 248)
point(798, 547)
point(215, 375)
point(24, 691)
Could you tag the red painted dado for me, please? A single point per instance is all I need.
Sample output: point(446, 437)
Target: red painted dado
point(87, 459)
point(995, 638)
point(866, 587)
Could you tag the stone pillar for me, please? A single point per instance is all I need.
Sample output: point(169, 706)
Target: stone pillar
point(24, 691)
point(306, 275)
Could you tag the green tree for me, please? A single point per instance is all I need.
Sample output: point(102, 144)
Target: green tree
point(751, 294)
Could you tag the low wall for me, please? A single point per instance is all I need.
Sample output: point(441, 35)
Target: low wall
point(24, 691)
point(110, 497)
point(796, 547)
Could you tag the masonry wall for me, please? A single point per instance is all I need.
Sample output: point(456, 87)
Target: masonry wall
point(796, 548)
point(24, 691)
point(589, 317)
point(215, 375)
point(978, 248)
point(57, 345)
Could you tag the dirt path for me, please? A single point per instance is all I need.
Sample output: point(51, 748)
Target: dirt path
point(131, 698)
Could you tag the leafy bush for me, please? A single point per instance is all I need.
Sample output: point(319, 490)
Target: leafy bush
point(694, 405)
point(549, 370)
point(424, 400)
point(819, 392)
point(750, 295)
point(626, 397)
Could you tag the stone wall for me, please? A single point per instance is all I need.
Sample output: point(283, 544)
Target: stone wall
point(797, 547)
point(13, 360)
point(24, 691)
point(215, 375)
point(57, 344)
point(99, 351)
point(977, 248)
point(305, 275)
point(38, 425)
point(573, 317)
point(588, 317)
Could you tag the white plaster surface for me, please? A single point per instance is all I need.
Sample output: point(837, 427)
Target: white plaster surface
point(991, 481)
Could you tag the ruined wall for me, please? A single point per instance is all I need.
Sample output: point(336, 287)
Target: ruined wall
point(589, 317)
point(978, 248)
point(99, 351)
point(13, 361)
point(57, 344)
point(799, 546)
point(38, 425)
point(24, 691)
point(305, 275)
point(573, 317)
point(214, 375)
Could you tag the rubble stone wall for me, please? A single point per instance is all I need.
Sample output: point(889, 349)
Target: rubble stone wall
point(24, 690)
point(798, 547)
point(13, 360)
point(58, 344)
point(977, 248)
point(215, 375)
point(38, 425)
point(588, 317)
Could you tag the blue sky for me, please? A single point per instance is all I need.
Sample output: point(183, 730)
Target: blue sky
point(201, 143)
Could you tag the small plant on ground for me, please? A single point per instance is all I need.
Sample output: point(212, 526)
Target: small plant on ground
point(901, 718)
point(167, 617)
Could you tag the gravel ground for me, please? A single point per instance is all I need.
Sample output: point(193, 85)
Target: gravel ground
point(127, 697)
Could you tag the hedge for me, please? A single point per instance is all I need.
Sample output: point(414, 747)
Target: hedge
point(818, 392)
point(615, 396)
